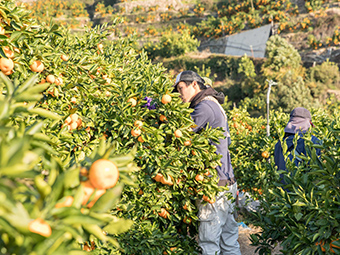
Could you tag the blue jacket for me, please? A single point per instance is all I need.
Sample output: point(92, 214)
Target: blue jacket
point(279, 158)
point(209, 113)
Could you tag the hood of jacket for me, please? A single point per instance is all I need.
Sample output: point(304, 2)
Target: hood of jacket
point(204, 93)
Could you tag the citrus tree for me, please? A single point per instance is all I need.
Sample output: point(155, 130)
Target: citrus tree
point(50, 206)
point(303, 215)
point(96, 99)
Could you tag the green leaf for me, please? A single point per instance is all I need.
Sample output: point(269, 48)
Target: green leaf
point(119, 226)
point(28, 83)
point(44, 113)
point(298, 216)
point(8, 83)
point(108, 200)
point(81, 219)
point(71, 178)
point(298, 203)
point(95, 230)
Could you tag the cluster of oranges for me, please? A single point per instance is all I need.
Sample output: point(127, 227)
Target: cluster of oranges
point(164, 180)
point(73, 121)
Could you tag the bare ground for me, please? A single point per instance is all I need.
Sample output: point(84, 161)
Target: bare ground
point(245, 243)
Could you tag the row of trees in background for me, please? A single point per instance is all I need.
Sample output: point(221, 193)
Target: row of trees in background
point(212, 19)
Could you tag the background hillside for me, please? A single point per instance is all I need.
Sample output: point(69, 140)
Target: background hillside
point(171, 32)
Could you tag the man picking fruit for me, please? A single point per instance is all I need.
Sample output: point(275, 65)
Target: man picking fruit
point(218, 230)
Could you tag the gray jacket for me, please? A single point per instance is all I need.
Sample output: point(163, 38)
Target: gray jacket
point(209, 113)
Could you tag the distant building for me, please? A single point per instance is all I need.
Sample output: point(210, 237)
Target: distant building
point(251, 42)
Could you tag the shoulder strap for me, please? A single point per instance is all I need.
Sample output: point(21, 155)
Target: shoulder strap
point(211, 98)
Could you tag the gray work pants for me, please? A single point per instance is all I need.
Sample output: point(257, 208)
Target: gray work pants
point(218, 230)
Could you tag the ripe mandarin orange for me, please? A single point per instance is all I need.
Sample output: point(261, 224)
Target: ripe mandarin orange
point(178, 133)
point(74, 117)
point(8, 52)
point(103, 174)
point(50, 78)
point(158, 177)
point(66, 203)
point(6, 64)
point(265, 154)
point(39, 226)
point(199, 178)
point(164, 213)
point(138, 123)
point(136, 132)
point(187, 143)
point(132, 101)
point(162, 118)
point(64, 57)
point(37, 66)
point(166, 99)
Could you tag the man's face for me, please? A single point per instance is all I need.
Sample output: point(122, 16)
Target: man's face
point(187, 92)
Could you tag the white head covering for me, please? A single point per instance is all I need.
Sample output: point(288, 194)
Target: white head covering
point(300, 121)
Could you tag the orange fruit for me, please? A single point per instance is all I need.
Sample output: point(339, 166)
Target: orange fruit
point(78, 122)
point(8, 72)
point(166, 99)
point(265, 154)
point(68, 120)
point(164, 213)
point(6, 65)
point(58, 81)
point(187, 143)
point(138, 123)
point(73, 125)
point(162, 118)
point(132, 101)
point(8, 52)
point(103, 174)
point(2, 31)
point(140, 139)
point(67, 203)
point(187, 220)
point(74, 117)
point(178, 133)
point(158, 177)
point(87, 247)
point(100, 46)
point(88, 191)
point(37, 66)
point(167, 181)
point(199, 178)
point(185, 207)
point(39, 226)
point(83, 172)
point(50, 78)
point(207, 199)
point(64, 57)
point(140, 192)
point(207, 173)
point(136, 132)
point(73, 100)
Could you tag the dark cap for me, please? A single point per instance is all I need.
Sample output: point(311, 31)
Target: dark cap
point(188, 76)
point(300, 120)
